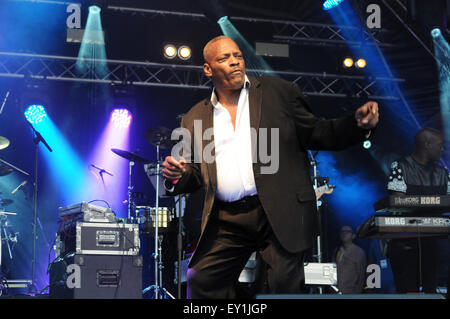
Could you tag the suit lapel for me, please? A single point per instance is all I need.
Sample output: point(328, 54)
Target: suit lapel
point(208, 122)
point(255, 101)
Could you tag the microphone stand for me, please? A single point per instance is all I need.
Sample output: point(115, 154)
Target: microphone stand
point(315, 175)
point(37, 138)
point(102, 171)
point(179, 244)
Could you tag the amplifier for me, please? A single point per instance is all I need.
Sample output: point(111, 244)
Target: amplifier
point(320, 274)
point(96, 277)
point(10, 287)
point(88, 213)
point(107, 239)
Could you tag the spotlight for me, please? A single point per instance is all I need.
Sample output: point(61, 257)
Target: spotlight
point(367, 144)
point(435, 32)
point(94, 9)
point(121, 118)
point(348, 62)
point(184, 52)
point(35, 113)
point(361, 63)
point(170, 51)
point(222, 19)
point(330, 4)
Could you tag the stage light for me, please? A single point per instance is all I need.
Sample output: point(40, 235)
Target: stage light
point(361, 63)
point(94, 9)
point(435, 32)
point(121, 118)
point(442, 53)
point(222, 19)
point(170, 51)
point(35, 113)
point(92, 57)
point(184, 52)
point(367, 144)
point(329, 4)
point(348, 62)
point(256, 65)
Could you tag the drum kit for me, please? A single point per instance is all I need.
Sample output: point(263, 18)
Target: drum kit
point(153, 221)
point(7, 236)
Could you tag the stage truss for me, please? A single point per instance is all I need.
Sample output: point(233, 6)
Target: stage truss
point(62, 68)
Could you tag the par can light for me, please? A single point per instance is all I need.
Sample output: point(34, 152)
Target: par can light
point(170, 51)
point(184, 52)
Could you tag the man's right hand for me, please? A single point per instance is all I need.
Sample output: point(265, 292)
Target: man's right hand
point(173, 170)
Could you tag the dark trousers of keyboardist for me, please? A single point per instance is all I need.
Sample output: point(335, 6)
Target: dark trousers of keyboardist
point(414, 265)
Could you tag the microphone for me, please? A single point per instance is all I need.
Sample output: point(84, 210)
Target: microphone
point(19, 187)
point(101, 170)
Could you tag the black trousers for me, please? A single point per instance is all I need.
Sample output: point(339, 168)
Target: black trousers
point(231, 236)
point(412, 267)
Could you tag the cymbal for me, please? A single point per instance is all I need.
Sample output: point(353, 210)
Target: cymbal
point(5, 170)
point(6, 202)
point(159, 135)
point(4, 142)
point(130, 156)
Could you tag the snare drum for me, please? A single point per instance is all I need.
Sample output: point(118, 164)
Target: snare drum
point(146, 217)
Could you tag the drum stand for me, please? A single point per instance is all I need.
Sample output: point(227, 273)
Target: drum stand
point(157, 255)
point(3, 217)
point(130, 190)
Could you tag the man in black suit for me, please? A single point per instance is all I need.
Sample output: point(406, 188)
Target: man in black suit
point(252, 203)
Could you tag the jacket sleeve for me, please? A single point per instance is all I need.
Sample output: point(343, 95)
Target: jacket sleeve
point(192, 178)
point(323, 134)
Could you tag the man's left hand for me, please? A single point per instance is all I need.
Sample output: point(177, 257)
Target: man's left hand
point(367, 115)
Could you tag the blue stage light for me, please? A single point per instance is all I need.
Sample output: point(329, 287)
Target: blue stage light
point(222, 20)
point(435, 32)
point(94, 9)
point(35, 113)
point(329, 4)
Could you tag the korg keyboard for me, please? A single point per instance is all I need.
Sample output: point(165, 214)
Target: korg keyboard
point(391, 226)
point(430, 204)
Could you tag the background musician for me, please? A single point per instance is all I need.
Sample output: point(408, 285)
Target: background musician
point(415, 261)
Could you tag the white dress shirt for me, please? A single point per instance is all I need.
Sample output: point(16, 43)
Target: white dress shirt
point(233, 149)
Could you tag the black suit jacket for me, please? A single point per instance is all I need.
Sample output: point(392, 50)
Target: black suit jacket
point(287, 196)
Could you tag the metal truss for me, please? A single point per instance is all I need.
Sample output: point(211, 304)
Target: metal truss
point(327, 34)
point(284, 30)
point(61, 68)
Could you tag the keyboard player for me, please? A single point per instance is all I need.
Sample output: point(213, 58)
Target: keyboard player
point(418, 174)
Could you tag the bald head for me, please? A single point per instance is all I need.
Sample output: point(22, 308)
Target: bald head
point(224, 64)
point(425, 135)
point(429, 144)
point(209, 47)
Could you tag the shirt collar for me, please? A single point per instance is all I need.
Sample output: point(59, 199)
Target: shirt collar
point(215, 101)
